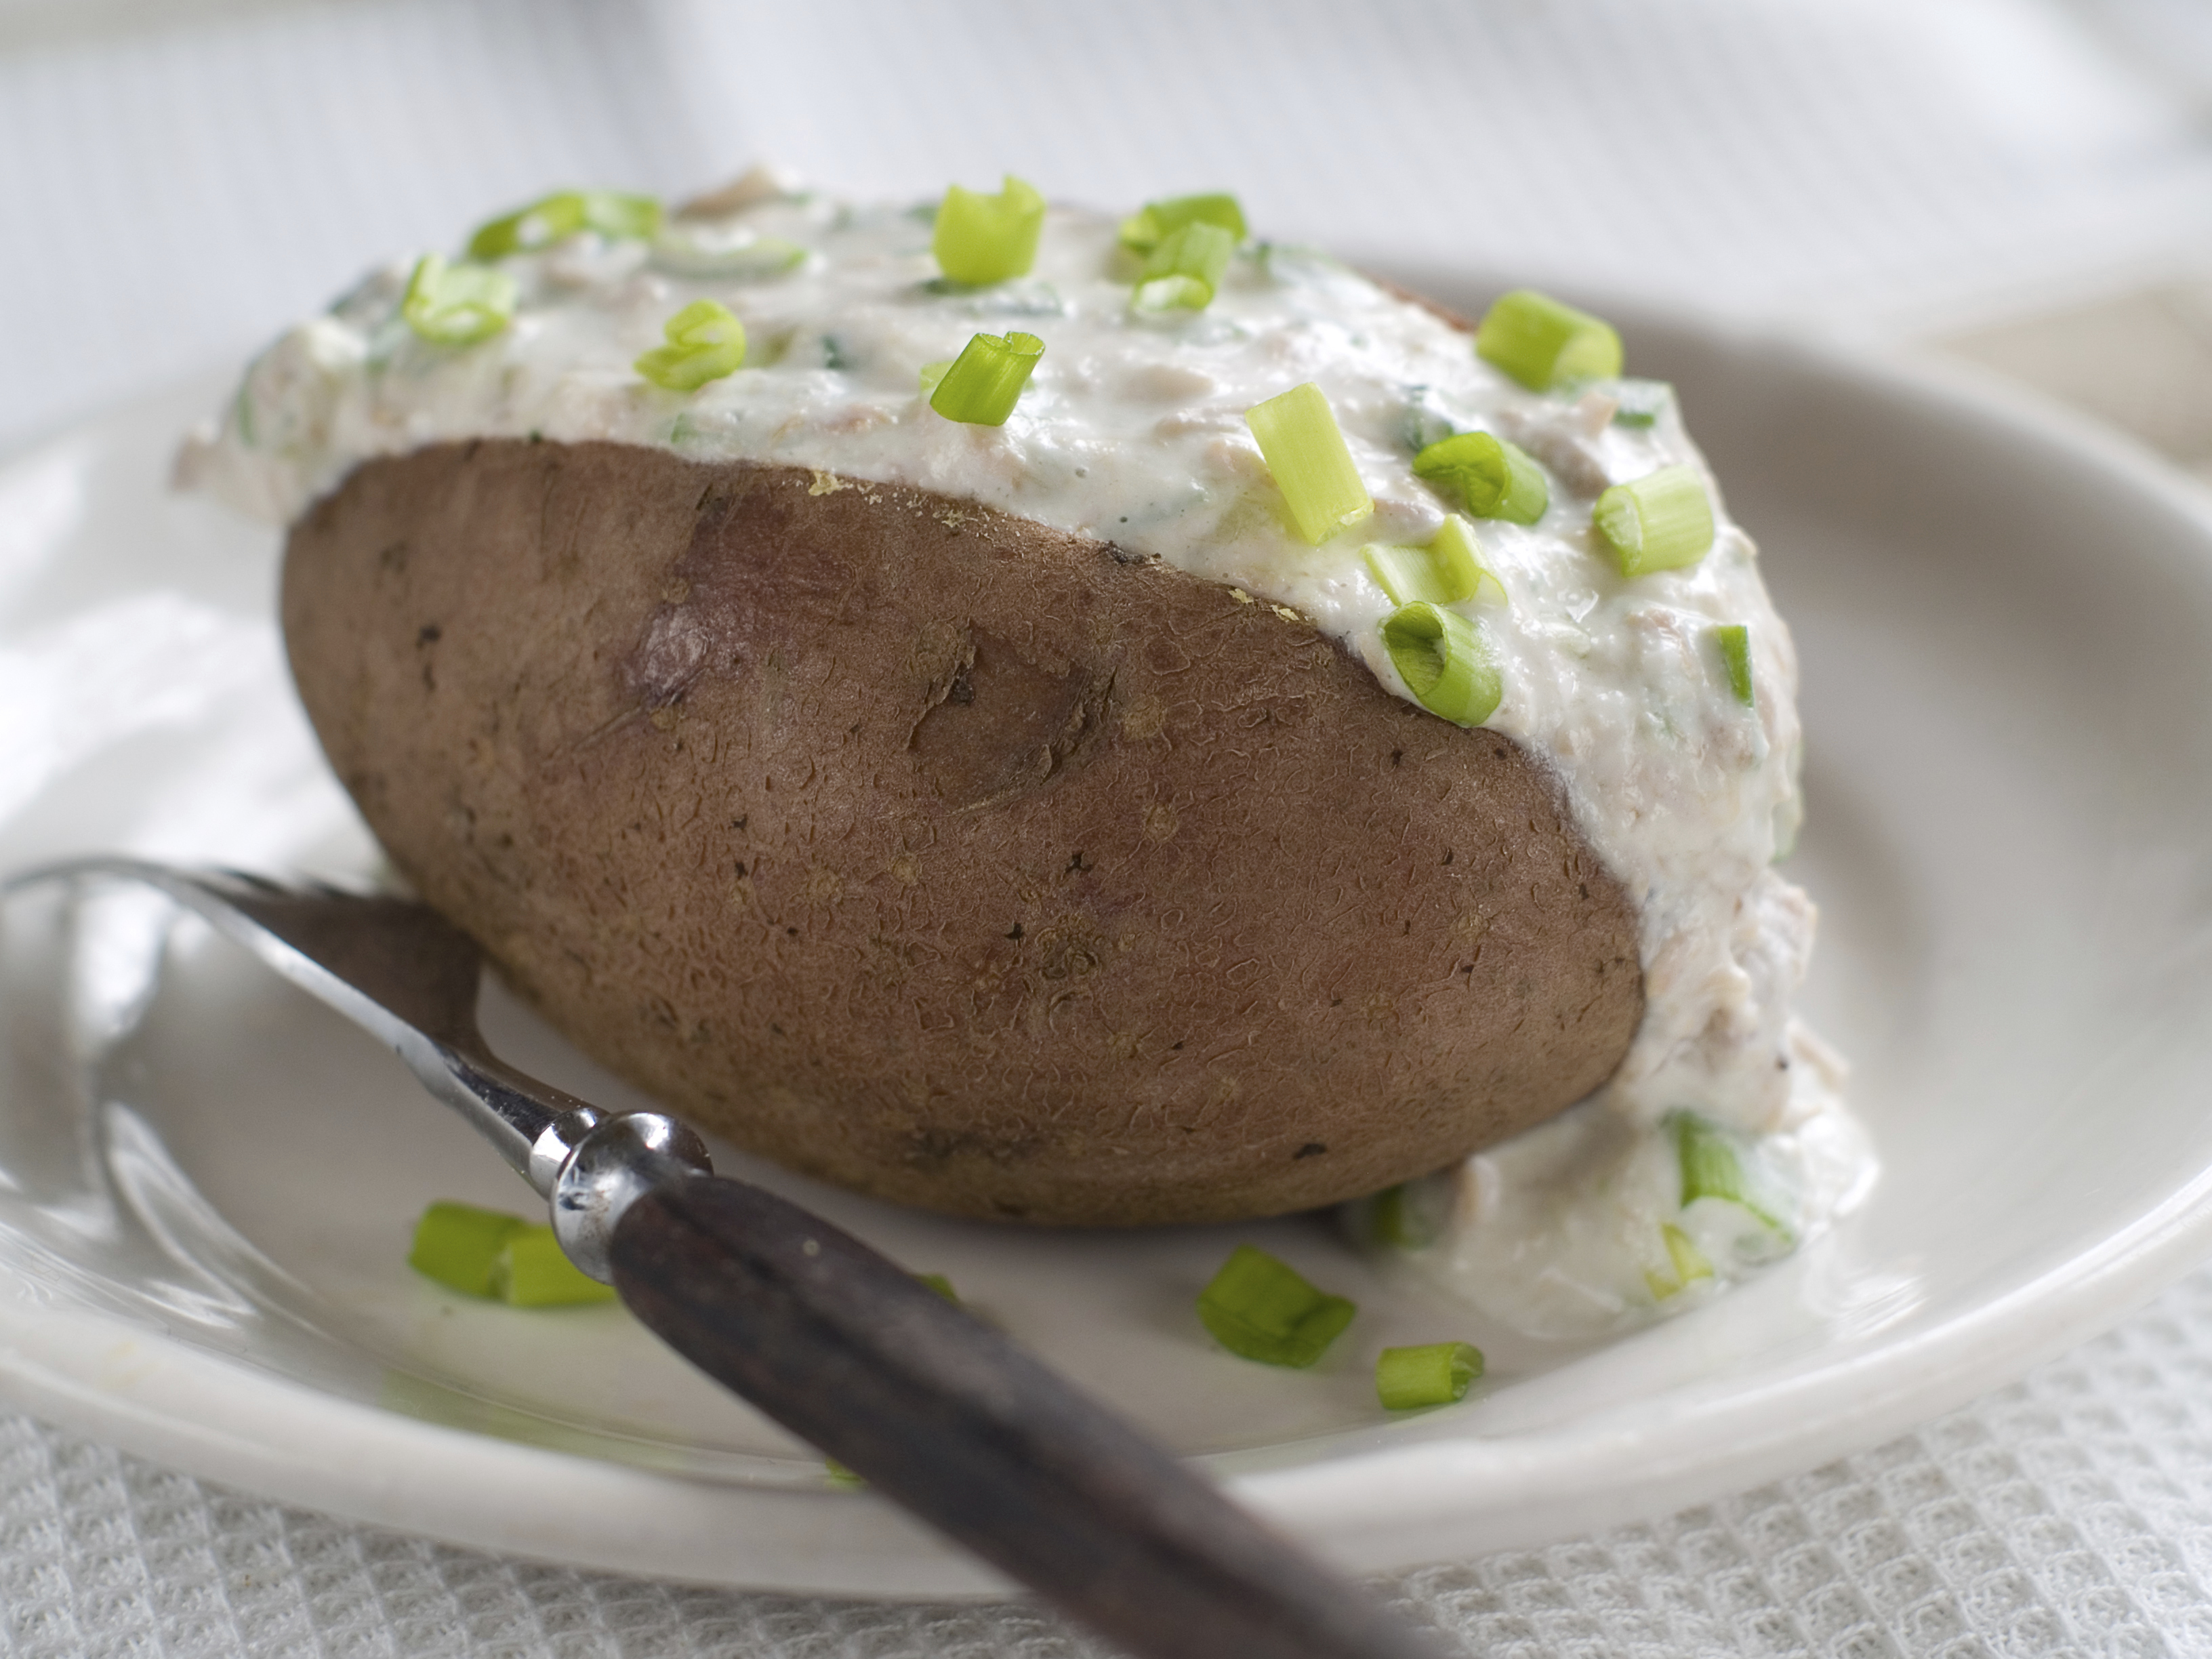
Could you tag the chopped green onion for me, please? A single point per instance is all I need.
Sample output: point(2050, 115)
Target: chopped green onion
point(1410, 1215)
point(1497, 480)
point(986, 380)
point(614, 214)
point(1640, 403)
point(456, 305)
point(1172, 294)
point(932, 374)
point(839, 1475)
point(940, 1284)
point(533, 1272)
point(1435, 1375)
point(1735, 642)
point(484, 1252)
point(1156, 221)
point(621, 216)
point(1445, 662)
point(1458, 559)
point(1445, 572)
point(705, 342)
point(1687, 1264)
point(1713, 1167)
point(704, 250)
point(1264, 1309)
point(526, 229)
point(1661, 521)
point(1541, 343)
point(459, 1245)
point(1406, 574)
point(1311, 463)
point(983, 239)
point(1185, 268)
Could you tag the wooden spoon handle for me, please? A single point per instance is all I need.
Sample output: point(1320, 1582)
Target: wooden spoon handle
point(945, 1417)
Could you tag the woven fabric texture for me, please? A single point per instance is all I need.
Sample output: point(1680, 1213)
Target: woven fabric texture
point(2070, 1514)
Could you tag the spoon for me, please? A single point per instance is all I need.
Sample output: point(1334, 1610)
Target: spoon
point(936, 1410)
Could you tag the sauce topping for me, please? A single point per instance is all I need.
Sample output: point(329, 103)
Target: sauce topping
point(1675, 741)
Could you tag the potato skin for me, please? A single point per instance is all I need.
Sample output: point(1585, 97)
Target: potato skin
point(943, 856)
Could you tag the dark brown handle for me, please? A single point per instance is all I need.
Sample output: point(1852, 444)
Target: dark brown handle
point(945, 1417)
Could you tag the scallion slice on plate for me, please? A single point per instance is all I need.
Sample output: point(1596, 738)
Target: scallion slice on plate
point(532, 1272)
point(1434, 1374)
point(459, 1245)
point(1263, 1308)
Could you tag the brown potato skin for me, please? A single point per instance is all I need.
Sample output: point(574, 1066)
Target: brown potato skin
point(943, 856)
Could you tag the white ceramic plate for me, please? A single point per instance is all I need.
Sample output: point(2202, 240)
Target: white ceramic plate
point(206, 1183)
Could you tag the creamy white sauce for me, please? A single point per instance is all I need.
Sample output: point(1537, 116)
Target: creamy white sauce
point(1133, 430)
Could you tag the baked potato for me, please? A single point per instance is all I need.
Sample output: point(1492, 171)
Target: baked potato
point(1008, 777)
point(943, 855)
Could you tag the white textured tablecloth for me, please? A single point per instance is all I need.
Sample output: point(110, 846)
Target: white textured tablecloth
point(2072, 1514)
point(182, 180)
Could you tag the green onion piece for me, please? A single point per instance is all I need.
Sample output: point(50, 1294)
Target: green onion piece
point(696, 250)
point(459, 1244)
point(1445, 572)
point(986, 238)
point(1457, 557)
point(613, 214)
point(1445, 662)
point(525, 230)
point(986, 380)
point(1541, 343)
point(1661, 521)
point(1435, 1375)
point(1410, 1215)
point(1687, 1264)
point(456, 305)
point(941, 1285)
point(1172, 294)
point(1406, 574)
point(1735, 642)
point(1156, 221)
point(1497, 480)
point(533, 1272)
point(1185, 268)
point(839, 1475)
point(1312, 464)
point(933, 373)
point(620, 216)
point(1640, 403)
point(1264, 1309)
point(705, 342)
point(1713, 1167)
